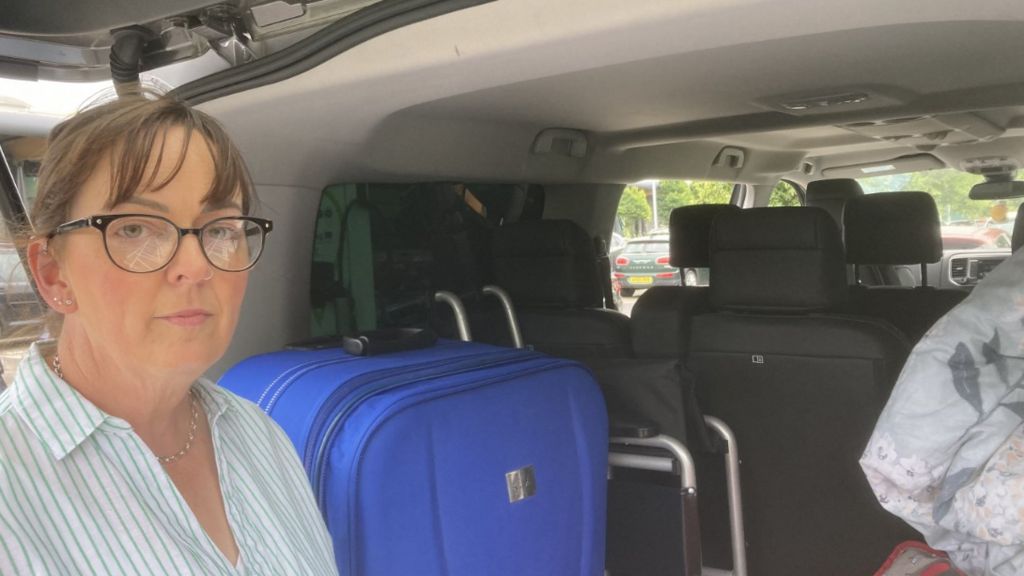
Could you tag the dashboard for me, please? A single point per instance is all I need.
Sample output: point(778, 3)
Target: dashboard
point(964, 269)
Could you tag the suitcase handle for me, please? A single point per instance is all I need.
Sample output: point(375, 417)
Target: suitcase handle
point(388, 341)
point(510, 312)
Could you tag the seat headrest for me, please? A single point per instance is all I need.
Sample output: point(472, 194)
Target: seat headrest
point(546, 263)
point(777, 260)
point(690, 232)
point(892, 228)
point(1018, 229)
point(832, 194)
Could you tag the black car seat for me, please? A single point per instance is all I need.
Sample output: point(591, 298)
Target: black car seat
point(893, 228)
point(831, 195)
point(660, 320)
point(550, 270)
point(660, 328)
point(801, 386)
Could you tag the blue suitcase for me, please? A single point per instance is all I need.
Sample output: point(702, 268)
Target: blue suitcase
point(458, 459)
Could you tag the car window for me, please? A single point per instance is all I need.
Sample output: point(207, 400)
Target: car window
point(646, 247)
point(645, 207)
point(22, 315)
point(380, 250)
point(786, 193)
point(966, 224)
point(23, 157)
point(644, 211)
point(960, 243)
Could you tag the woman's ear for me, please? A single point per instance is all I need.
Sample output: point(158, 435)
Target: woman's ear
point(48, 275)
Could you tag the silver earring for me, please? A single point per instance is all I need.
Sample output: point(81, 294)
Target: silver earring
point(210, 277)
point(68, 302)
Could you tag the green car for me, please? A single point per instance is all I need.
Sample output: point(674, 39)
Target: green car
point(644, 263)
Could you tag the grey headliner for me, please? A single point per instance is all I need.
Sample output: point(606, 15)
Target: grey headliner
point(464, 95)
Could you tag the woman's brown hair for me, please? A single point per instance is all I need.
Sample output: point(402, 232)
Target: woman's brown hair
point(132, 134)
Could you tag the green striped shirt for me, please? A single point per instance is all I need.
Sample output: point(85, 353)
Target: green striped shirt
point(80, 493)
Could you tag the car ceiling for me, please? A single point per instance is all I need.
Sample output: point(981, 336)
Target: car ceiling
point(59, 18)
point(655, 89)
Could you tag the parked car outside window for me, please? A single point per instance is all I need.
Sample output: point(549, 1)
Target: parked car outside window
point(972, 238)
point(644, 263)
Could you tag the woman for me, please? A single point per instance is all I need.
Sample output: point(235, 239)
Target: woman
point(116, 456)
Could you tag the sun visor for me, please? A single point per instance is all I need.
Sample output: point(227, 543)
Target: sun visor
point(901, 165)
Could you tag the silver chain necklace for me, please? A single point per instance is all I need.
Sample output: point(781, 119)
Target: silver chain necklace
point(192, 426)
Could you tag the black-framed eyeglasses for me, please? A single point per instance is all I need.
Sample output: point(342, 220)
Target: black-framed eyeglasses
point(146, 243)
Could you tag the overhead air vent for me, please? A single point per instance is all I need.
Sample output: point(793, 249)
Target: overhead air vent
point(927, 133)
point(887, 122)
point(989, 165)
point(830, 101)
point(836, 100)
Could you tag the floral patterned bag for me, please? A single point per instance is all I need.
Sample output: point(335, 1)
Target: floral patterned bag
point(947, 453)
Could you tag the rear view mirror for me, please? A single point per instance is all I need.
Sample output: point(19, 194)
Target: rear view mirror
point(997, 190)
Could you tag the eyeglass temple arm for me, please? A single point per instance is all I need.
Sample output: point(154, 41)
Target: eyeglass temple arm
point(70, 226)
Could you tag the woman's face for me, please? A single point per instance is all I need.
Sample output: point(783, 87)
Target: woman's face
point(179, 318)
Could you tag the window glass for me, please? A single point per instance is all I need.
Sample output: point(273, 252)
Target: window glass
point(643, 220)
point(785, 194)
point(381, 251)
point(966, 224)
point(638, 247)
point(22, 319)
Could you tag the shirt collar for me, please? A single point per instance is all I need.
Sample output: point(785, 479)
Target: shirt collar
point(214, 399)
point(62, 418)
point(56, 413)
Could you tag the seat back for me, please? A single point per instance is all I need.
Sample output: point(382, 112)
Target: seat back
point(551, 272)
point(831, 195)
point(660, 321)
point(897, 228)
point(801, 387)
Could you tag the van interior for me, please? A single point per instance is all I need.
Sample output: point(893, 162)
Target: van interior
point(406, 147)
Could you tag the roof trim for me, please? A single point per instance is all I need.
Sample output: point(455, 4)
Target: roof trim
point(351, 31)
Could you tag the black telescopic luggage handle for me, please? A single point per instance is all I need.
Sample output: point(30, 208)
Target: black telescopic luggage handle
point(373, 342)
point(388, 341)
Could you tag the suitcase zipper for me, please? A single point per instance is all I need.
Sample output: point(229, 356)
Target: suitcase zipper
point(283, 383)
point(337, 407)
point(294, 373)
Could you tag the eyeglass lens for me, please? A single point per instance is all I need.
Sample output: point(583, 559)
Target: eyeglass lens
point(145, 244)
